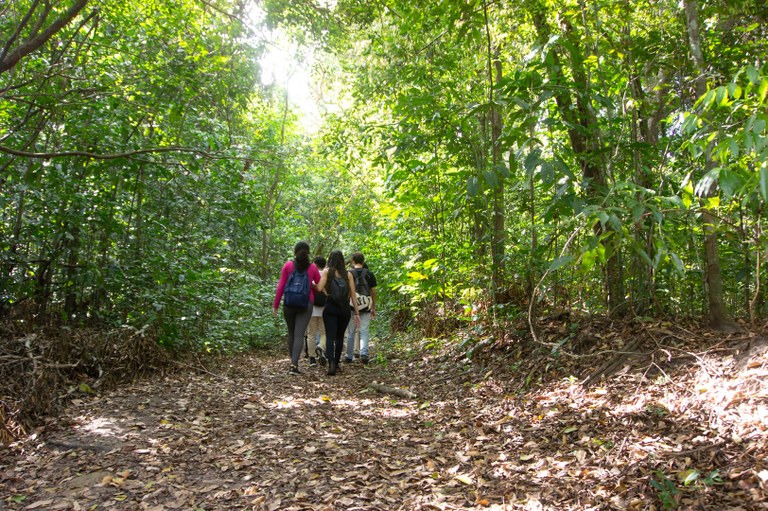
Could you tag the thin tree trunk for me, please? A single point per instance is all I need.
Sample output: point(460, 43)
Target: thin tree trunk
point(498, 240)
point(718, 315)
point(583, 134)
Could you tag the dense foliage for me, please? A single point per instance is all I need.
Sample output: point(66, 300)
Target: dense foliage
point(604, 157)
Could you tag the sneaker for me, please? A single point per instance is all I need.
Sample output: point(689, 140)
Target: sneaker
point(348, 360)
point(364, 359)
point(294, 370)
point(312, 362)
point(321, 357)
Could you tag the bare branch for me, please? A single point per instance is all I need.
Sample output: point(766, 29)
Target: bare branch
point(30, 45)
point(96, 156)
point(21, 26)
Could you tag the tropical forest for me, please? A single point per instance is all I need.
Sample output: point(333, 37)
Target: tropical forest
point(547, 215)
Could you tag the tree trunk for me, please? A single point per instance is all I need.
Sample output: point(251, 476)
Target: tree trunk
point(498, 238)
point(718, 315)
point(583, 133)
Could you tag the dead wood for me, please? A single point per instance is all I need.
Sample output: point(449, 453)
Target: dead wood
point(613, 364)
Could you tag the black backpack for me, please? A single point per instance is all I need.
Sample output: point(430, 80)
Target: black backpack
point(339, 290)
point(320, 299)
point(362, 290)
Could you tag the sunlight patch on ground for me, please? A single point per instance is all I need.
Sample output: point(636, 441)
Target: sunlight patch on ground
point(287, 402)
point(363, 407)
point(101, 426)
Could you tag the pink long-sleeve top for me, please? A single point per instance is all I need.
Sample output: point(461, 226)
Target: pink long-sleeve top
point(312, 272)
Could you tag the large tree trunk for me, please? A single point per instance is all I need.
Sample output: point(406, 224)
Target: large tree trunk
point(718, 315)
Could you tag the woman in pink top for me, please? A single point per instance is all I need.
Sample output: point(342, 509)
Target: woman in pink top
point(297, 318)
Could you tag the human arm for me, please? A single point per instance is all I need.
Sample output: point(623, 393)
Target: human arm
point(314, 279)
point(284, 273)
point(372, 285)
point(323, 280)
point(373, 302)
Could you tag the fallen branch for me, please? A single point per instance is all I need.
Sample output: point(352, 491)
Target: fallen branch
point(384, 389)
point(477, 347)
point(614, 363)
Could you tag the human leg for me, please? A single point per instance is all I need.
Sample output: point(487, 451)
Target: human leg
point(331, 322)
point(321, 335)
point(315, 323)
point(365, 334)
point(351, 330)
point(357, 343)
point(290, 320)
point(343, 322)
point(299, 329)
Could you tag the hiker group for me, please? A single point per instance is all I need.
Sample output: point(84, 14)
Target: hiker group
point(323, 300)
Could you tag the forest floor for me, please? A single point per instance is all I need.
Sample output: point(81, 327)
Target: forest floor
point(682, 429)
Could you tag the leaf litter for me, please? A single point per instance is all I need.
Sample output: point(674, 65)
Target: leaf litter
point(683, 429)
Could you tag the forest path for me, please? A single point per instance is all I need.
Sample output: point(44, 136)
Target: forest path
point(258, 438)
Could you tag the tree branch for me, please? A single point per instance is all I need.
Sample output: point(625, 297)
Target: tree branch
point(96, 156)
point(132, 154)
point(30, 45)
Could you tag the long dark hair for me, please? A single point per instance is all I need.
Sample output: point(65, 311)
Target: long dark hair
point(301, 255)
point(335, 263)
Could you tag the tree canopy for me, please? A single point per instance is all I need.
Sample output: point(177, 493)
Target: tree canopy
point(509, 158)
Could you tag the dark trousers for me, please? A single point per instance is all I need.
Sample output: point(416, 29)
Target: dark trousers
point(297, 321)
point(335, 319)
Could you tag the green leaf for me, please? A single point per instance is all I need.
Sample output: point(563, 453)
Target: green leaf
point(532, 161)
point(759, 126)
point(721, 95)
point(429, 263)
point(762, 90)
point(645, 257)
point(502, 170)
point(763, 183)
point(692, 476)
point(85, 388)
point(706, 182)
point(614, 222)
point(491, 178)
point(734, 90)
point(473, 186)
point(637, 212)
point(752, 75)
point(730, 182)
point(707, 99)
point(560, 262)
point(678, 263)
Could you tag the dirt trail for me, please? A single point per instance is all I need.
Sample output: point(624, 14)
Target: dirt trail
point(254, 437)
